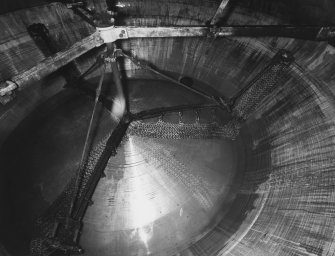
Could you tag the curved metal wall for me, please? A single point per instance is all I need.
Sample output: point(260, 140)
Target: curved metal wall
point(285, 205)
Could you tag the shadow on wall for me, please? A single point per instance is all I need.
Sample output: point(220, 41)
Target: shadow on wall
point(20, 179)
point(25, 165)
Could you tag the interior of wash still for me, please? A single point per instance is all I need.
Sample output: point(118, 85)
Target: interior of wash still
point(167, 127)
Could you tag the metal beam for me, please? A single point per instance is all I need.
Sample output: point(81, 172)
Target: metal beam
point(219, 12)
point(111, 34)
point(216, 99)
point(112, 144)
point(122, 104)
point(87, 141)
point(315, 33)
point(50, 64)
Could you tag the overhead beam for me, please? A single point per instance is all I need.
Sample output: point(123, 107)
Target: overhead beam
point(315, 33)
point(50, 64)
point(111, 34)
point(219, 12)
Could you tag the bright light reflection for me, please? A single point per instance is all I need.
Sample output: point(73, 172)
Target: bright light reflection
point(119, 107)
point(120, 5)
point(142, 210)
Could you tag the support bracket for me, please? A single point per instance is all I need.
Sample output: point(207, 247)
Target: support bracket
point(111, 34)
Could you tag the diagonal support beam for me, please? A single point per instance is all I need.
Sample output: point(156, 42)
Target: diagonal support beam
point(50, 64)
point(110, 150)
point(216, 99)
point(219, 12)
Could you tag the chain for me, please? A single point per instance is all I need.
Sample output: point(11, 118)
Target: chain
point(166, 130)
point(262, 86)
point(59, 208)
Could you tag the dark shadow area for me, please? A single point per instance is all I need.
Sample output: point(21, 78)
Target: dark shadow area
point(38, 159)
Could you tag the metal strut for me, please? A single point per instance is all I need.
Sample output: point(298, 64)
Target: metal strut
point(87, 140)
point(65, 234)
point(217, 99)
point(219, 12)
point(84, 200)
point(66, 231)
point(110, 150)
